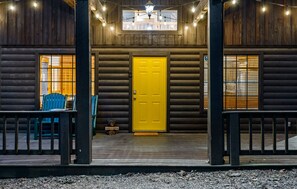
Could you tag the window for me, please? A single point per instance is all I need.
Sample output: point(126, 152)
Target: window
point(165, 20)
point(240, 82)
point(58, 75)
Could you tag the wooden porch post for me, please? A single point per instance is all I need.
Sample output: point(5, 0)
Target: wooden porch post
point(215, 104)
point(83, 83)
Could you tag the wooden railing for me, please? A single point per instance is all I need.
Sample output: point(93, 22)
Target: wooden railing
point(269, 122)
point(18, 127)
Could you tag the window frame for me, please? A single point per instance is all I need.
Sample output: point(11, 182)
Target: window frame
point(38, 71)
point(240, 53)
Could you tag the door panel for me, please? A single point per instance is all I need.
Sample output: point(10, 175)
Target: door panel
point(149, 94)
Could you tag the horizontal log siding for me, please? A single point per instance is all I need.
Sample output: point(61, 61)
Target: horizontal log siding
point(18, 79)
point(113, 88)
point(185, 84)
point(280, 81)
point(19, 82)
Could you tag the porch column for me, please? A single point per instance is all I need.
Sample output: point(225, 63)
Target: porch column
point(215, 103)
point(83, 83)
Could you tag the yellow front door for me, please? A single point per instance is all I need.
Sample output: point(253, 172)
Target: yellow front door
point(149, 94)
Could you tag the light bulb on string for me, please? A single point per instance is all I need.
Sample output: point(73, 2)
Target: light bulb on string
point(97, 15)
point(35, 4)
point(11, 7)
point(287, 11)
point(201, 16)
point(104, 24)
point(104, 8)
point(193, 9)
point(263, 8)
point(195, 24)
point(234, 2)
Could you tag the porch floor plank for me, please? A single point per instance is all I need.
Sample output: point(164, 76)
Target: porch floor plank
point(168, 149)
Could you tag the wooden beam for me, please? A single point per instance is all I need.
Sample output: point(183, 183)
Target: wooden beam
point(215, 73)
point(95, 6)
point(84, 131)
point(71, 3)
point(201, 9)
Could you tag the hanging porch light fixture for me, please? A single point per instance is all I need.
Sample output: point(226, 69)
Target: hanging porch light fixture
point(149, 7)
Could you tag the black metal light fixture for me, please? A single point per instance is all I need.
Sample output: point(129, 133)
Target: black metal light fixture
point(149, 7)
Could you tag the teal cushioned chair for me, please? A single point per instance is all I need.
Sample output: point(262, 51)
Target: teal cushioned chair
point(94, 110)
point(50, 102)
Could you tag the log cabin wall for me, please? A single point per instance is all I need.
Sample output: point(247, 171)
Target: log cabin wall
point(52, 24)
point(19, 82)
point(246, 25)
point(27, 33)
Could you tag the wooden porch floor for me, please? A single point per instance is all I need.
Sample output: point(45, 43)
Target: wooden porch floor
point(164, 149)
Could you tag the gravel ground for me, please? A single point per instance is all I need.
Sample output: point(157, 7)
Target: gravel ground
point(221, 179)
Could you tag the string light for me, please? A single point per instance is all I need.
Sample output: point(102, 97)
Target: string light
point(287, 12)
point(234, 2)
point(195, 24)
point(193, 9)
point(104, 8)
point(11, 7)
point(104, 24)
point(97, 15)
point(186, 27)
point(201, 16)
point(111, 28)
point(264, 8)
point(35, 4)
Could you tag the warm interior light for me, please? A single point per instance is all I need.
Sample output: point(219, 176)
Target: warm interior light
point(97, 15)
point(264, 9)
point(201, 16)
point(104, 24)
point(193, 9)
point(195, 24)
point(111, 28)
point(35, 4)
point(186, 27)
point(11, 7)
point(234, 2)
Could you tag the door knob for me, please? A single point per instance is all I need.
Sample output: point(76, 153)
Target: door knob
point(134, 91)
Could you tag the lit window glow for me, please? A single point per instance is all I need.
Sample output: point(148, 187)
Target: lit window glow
point(159, 21)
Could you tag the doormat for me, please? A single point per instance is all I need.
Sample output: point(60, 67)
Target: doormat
point(146, 134)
